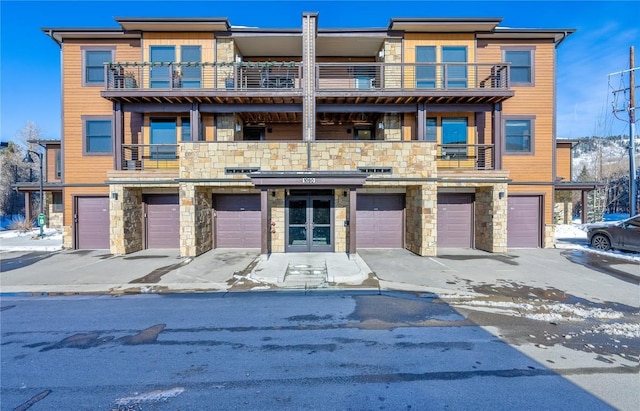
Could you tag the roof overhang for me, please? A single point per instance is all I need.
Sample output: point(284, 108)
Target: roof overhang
point(557, 35)
point(174, 24)
point(443, 25)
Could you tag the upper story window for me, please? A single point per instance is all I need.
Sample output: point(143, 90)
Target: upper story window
point(425, 74)
point(455, 74)
point(518, 135)
point(163, 138)
point(97, 135)
point(58, 164)
point(191, 75)
point(521, 66)
point(94, 66)
point(162, 75)
point(454, 137)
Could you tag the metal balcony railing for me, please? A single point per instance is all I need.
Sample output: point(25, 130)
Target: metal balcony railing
point(149, 156)
point(466, 156)
point(283, 76)
point(210, 76)
point(414, 76)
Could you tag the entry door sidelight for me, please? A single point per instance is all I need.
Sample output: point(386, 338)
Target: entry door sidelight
point(309, 224)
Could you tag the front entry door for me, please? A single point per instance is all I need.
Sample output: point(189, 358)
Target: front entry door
point(309, 223)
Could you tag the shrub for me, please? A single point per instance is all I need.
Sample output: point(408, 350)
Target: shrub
point(21, 223)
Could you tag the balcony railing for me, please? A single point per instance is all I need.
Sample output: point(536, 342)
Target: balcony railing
point(466, 156)
point(447, 156)
point(415, 76)
point(275, 76)
point(149, 156)
point(286, 76)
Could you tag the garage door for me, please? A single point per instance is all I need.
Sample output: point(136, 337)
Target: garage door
point(92, 223)
point(523, 221)
point(455, 220)
point(380, 221)
point(163, 221)
point(237, 221)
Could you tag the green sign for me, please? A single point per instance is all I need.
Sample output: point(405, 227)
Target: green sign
point(42, 219)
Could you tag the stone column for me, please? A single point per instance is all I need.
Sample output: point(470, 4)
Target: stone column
point(276, 220)
point(203, 229)
point(491, 218)
point(188, 242)
point(421, 224)
point(126, 225)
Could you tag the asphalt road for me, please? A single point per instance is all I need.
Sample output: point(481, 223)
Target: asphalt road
point(280, 350)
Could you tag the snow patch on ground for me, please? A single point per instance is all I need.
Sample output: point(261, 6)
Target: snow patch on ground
point(549, 312)
point(630, 330)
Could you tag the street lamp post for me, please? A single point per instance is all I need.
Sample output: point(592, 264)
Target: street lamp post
point(28, 159)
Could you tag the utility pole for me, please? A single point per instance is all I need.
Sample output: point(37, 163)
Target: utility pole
point(633, 187)
point(630, 107)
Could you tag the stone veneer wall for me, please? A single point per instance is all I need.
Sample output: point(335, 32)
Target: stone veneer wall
point(125, 213)
point(393, 55)
point(341, 212)
point(549, 236)
point(491, 218)
point(225, 127)
point(67, 237)
point(196, 221)
point(392, 127)
point(421, 221)
point(276, 220)
point(208, 160)
point(225, 53)
point(55, 219)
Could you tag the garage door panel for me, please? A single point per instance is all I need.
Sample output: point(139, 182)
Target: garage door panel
point(455, 220)
point(238, 221)
point(163, 221)
point(523, 221)
point(380, 221)
point(93, 221)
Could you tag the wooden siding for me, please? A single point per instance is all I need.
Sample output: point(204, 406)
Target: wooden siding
point(535, 101)
point(79, 101)
point(563, 161)
point(50, 173)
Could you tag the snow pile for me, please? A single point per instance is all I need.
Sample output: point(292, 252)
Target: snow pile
point(571, 231)
point(630, 330)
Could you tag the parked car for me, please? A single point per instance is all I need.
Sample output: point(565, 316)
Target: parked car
point(622, 235)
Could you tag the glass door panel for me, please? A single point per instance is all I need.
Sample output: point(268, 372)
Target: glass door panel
point(321, 223)
point(309, 224)
point(297, 222)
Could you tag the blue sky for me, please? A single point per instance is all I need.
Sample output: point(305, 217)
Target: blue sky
point(30, 61)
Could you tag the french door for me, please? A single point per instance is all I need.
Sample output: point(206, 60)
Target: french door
point(309, 223)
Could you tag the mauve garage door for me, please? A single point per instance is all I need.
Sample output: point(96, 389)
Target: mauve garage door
point(163, 221)
point(238, 221)
point(455, 220)
point(380, 221)
point(92, 223)
point(523, 221)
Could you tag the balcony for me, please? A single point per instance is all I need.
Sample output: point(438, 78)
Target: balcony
point(232, 160)
point(260, 82)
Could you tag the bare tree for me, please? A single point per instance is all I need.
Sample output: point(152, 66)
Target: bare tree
point(14, 169)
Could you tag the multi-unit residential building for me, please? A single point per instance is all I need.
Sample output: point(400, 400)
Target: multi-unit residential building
point(196, 134)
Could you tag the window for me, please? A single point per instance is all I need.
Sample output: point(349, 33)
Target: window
point(97, 136)
point(518, 136)
point(163, 139)
point(186, 129)
point(191, 74)
point(94, 66)
point(161, 74)
point(431, 129)
point(425, 73)
point(56, 200)
point(58, 164)
point(455, 74)
point(454, 137)
point(521, 66)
